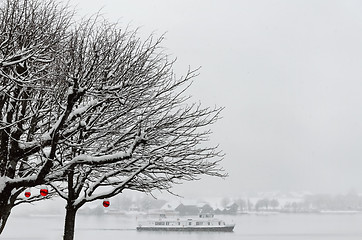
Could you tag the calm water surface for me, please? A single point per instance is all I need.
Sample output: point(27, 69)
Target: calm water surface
point(248, 227)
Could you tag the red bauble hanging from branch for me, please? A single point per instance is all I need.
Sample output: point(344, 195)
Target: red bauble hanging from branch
point(27, 194)
point(106, 203)
point(43, 192)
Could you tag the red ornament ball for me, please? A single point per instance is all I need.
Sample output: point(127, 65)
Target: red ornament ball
point(43, 191)
point(106, 203)
point(27, 194)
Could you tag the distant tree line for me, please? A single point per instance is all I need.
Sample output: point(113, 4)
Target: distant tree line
point(310, 203)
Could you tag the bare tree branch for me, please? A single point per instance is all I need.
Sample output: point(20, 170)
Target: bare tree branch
point(91, 109)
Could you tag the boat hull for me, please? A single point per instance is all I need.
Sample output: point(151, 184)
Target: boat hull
point(228, 228)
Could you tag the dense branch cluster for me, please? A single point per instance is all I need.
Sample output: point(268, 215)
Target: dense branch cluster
point(92, 105)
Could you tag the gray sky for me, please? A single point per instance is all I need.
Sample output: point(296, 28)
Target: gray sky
point(289, 74)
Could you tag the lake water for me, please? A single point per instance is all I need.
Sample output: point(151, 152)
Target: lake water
point(248, 227)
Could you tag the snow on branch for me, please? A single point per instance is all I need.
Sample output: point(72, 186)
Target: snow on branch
point(16, 59)
point(108, 158)
point(116, 188)
point(84, 159)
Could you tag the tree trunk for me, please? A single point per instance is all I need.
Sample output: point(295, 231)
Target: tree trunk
point(4, 215)
point(5, 207)
point(69, 225)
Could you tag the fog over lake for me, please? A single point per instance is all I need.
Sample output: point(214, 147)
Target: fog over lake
point(267, 227)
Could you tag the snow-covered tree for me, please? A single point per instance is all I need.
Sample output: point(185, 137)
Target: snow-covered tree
point(92, 109)
point(136, 126)
point(31, 37)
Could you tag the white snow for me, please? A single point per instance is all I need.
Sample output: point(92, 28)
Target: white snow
point(80, 110)
point(46, 136)
point(2, 183)
point(70, 90)
point(83, 158)
point(26, 179)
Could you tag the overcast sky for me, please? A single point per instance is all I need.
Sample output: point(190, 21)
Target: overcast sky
point(289, 74)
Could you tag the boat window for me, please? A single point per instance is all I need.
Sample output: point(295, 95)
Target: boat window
point(190, 223)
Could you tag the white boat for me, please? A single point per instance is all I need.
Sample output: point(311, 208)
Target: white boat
point(205, 222)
